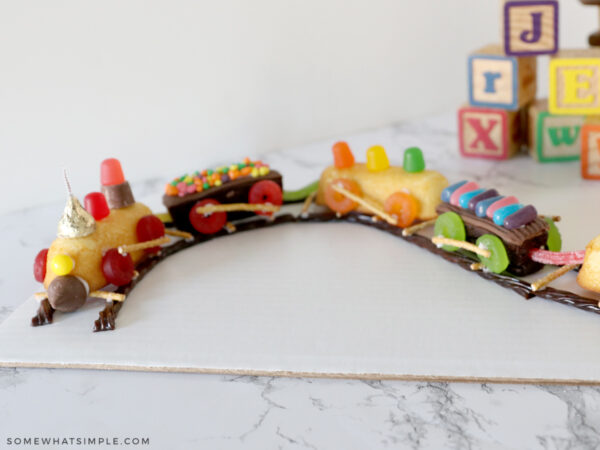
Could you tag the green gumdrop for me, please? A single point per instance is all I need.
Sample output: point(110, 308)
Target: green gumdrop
point(451, 226)
point(554, 242)
point(498, 260)
point(413, 160)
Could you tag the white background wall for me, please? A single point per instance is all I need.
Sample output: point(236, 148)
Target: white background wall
point(189, 83)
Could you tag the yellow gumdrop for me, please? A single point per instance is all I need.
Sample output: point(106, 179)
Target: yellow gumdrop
point(377, 159)
point(62, 265)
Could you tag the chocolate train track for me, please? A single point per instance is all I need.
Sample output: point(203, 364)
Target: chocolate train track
point(107, 317)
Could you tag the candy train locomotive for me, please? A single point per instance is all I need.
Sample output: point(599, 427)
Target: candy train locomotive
point(101, 247)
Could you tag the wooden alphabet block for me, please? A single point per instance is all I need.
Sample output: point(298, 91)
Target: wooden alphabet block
point(500, 81)
point(489, 133)
point(553, 138)
point(575, 82)
point(590, 151)
point(530, 27)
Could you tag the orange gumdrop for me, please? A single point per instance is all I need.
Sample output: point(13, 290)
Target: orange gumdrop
point(342, 155)
point(111, 172)
point(337, 201)
point(404, 206)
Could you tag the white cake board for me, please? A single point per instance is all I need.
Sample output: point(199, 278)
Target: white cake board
point(337, 300)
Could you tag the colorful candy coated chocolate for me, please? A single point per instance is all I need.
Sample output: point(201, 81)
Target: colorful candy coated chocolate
point(498, 261)
point(342, 155)
point(377, 159)
point(447, 193)
point(464, 199)
point(522, 217)
point(467, 187)
point(481, 197)
point(414, 161)
point(482, 206)
point(500, 204)
point(502, 214)
point(95, 204)
point(111, 172)
point(62, 264)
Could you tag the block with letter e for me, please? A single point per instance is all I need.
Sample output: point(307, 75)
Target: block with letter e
point(530, 27)
point(497, 80)
point(489, 133)
point(553, 138)
point(590, 151)
point(575, 82)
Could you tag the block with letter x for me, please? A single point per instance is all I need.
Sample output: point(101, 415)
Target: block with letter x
point(489, 133)
point(530, 27)
point(590, 151)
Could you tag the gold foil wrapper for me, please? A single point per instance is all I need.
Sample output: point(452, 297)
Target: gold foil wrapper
point(75, 221)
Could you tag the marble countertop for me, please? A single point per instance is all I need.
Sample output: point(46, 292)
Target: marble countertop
point(207, 411)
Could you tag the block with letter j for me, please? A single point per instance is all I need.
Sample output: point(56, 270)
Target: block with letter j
point(530, 27)
point(500, 81)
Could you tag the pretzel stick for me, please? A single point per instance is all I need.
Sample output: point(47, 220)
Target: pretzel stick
point(542, 282)
point(554, 218)
point(412, 230)
point(179, 233)
point(124, 249)
point(308, 202)
point(39, 296)
point(365, 204)
point(208, 209)
point(477, 266)
point(439, 240)
point(108, 295)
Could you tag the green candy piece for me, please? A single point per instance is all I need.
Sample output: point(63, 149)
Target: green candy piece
point(241, 166)
point(205, 186)
point(300, 194)
point(498, 260)
point(224, 170)
point(209, 172)
point(554, 242)
point(413, 160)
point(451, 226)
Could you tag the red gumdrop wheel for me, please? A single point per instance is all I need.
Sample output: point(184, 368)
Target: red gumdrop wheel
point(263, 192)
point(117, 269)
point(39, 265)
point(207, 223)
point(149, 228)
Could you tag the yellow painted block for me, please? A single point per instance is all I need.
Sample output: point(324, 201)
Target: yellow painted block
point(575, 83)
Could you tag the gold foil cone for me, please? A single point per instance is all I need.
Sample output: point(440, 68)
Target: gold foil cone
point(75, 221)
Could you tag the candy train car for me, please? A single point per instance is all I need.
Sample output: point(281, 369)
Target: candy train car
point(96, 247)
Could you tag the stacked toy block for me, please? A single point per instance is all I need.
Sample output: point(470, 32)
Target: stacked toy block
point(503, 116)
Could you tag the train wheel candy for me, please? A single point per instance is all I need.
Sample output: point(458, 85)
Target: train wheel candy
point(451, 226)
point(263, 192)
point(39, 265)
point(118, 269)
point(403, 206)
point(149, 228)
point(554, 242)
point(498, 260)
point(339, 202)
point(207, 223)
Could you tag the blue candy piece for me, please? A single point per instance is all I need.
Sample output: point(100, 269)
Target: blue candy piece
point(447, 193)
point(481, 197)
point(501, 215)
point(464, 199)
point(482, 206)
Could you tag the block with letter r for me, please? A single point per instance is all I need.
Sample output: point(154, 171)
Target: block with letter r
point(590, 151)
point(530, 27)
point(575, 82)
point(489, 133)
point(500, 81)
point(554, 138)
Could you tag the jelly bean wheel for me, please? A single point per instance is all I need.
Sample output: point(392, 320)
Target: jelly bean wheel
point(404, 207)
point(451, 226)
point(207, 223)
point(265, 192)
point(498, 260)
point(337, 201)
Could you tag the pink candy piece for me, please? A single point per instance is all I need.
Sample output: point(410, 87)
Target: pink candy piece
point(467, 187)
point(500, 204)
point(557, 258)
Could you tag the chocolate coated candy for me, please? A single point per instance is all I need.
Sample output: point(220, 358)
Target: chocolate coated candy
point(67, 293)
point(483, 196)
point(522, 217)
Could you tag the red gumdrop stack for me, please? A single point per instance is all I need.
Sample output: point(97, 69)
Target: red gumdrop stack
point(149, 228)
point(95, 204)
point(39, 265)
point(117, 269)
point(111, 172)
